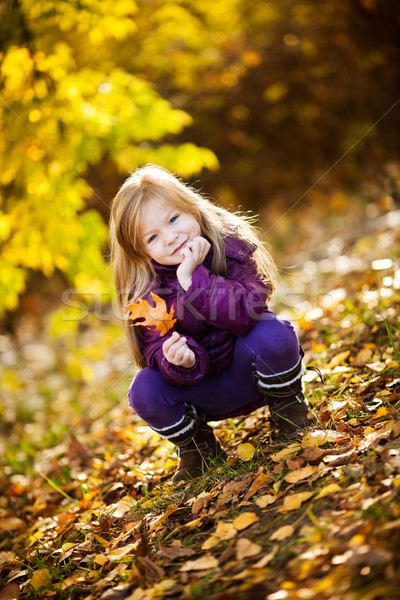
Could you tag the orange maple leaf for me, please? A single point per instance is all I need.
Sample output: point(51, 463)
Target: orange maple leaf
point(157, 315)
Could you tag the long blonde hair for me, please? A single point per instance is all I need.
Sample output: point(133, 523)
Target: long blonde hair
point(134, 273)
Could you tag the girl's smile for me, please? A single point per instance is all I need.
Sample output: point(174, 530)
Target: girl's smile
point(165, 231)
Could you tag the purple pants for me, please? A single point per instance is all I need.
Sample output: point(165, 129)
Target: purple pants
point(271, 348)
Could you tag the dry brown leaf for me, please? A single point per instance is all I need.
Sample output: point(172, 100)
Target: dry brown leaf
point(258, 482)
point(245, 548)
point(153, 316)
point(10, 591)
point(300, 474)
point(245, 520)
point(204, 563)
point(294, 501)
point(174, 552)
point(245, 451)
point(282, 533)
point(313, 455)
point(200, 503)
point(154, 573)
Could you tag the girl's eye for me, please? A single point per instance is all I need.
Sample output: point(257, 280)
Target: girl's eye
point(152, 238)
point(174, 218)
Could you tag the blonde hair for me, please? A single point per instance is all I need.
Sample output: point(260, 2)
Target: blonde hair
point(134, 273)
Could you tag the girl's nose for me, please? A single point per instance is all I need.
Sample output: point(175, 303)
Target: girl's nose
point(170, 236)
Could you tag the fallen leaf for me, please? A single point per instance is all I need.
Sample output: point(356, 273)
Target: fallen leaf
point(204, 563)
point(40, 579)
point(120, 552)
point(153, 316)
point(320, 437)
point(259, 481)
point(265, 500)
point(338, 359)
point(174, 552)
point(245, 548)
point(10, 591)
point(200, 503)
point(5, 556)
point(331, 488)
point(291, 449)
point(313, 455)
point(300, 474)
point(154, 573)
point(382, 411)
point(100, 559)
point(245, 451)
point(295, 500)
point(244, 520)
point(11, 524)
point(282, 532)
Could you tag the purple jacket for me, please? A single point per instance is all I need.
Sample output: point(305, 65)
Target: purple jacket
point(210, 314)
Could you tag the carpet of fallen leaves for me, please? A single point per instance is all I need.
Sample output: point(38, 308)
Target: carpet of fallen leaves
point(87, 509)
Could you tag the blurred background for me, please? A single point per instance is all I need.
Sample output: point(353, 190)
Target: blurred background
point(287, 108)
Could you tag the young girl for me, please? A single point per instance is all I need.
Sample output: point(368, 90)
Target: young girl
point(226, 354)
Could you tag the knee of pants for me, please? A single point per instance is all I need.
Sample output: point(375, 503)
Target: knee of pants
point(275, 344)
point(145, 394)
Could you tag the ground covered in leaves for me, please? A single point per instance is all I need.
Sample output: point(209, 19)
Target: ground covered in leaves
point(87, 509)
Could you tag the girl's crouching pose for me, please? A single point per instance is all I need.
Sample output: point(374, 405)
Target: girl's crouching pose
point(226, 354)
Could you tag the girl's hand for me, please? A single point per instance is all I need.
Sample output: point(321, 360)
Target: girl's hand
point(177, 352)
point(193, 255)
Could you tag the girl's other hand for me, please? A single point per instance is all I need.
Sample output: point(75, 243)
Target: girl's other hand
point(193, 255)
point(177, 352)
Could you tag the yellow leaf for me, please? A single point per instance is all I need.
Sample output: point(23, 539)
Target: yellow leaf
point(40, 579)
point(245, 520)
point(382, 410)
point(295, 500)
point(320, 437)
point(67, 546)
point(225, 531)
point(210, 542)
point(120, 552)
point(339, 359)
point(246, 451)
point(282, 532)
point(201, 564)
point(368, 430)
point(291, 449)
point(153, 316)
point(100, 559)
point(101, 541)
point(265, 500)
point(299, 474)
point(331, 488)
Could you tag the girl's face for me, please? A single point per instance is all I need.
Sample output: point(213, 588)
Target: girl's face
point(165, 231)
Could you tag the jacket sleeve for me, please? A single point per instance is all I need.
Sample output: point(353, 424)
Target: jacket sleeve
point(173, 374)
point(234, 304)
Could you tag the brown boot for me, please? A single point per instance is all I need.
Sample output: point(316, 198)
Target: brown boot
point(197, 454)
point(291, 414)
